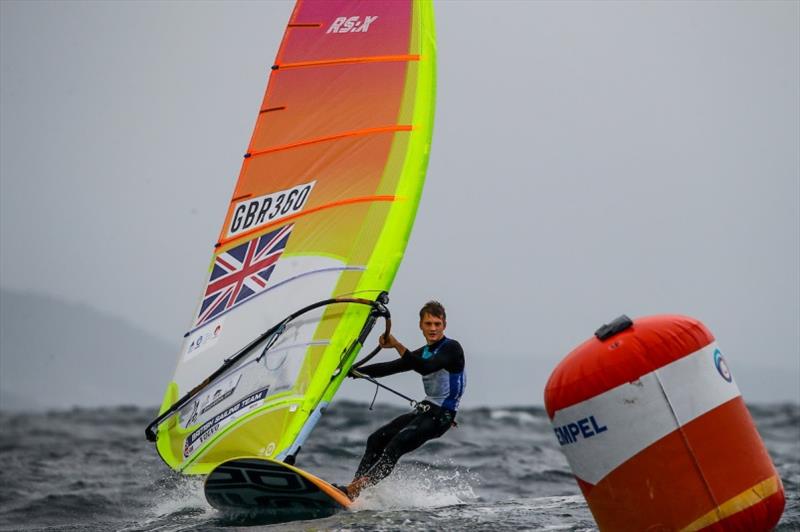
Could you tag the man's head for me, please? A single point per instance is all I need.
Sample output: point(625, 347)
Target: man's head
point(432, 321)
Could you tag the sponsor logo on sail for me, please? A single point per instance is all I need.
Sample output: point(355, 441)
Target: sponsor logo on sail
point(252, 213)
point(203, 339)
point(196, 439)
point(208, 400)
point(351, 24)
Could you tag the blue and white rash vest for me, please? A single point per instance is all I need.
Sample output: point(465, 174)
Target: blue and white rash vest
point(441, 366)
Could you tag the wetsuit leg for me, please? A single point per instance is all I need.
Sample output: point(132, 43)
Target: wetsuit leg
point(379, 439)
point(423, 427)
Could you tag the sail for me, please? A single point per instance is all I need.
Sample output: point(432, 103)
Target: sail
point(314, 233)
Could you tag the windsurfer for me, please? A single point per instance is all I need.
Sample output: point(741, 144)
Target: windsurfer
point(441, 363)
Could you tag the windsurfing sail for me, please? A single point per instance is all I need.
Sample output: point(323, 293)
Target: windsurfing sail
point(315, 231)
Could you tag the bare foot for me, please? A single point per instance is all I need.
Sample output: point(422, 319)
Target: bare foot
point(355, 487)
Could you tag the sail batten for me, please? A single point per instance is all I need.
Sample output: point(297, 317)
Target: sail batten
point(335, 136)
point(322, 210)
point(349, 60)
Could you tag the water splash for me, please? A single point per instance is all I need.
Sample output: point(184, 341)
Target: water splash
point(178, 504)
point(419, 486)
point(184, 496)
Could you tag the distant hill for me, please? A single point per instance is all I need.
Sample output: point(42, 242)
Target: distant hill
point(55, 354)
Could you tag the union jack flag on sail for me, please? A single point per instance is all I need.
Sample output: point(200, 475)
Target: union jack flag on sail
point(241, 273)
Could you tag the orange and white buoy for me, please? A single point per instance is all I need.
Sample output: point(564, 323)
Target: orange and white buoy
point(656, 431)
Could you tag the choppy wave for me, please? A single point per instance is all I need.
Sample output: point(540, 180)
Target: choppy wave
point(500, 469)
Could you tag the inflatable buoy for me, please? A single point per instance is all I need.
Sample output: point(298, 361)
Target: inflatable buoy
point(656, 431)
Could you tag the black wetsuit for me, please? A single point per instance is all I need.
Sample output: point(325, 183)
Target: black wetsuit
point(442, 368)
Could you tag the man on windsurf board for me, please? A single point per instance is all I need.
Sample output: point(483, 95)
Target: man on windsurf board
point(441, 363)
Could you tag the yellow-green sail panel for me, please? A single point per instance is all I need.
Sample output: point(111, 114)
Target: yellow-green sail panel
point(323, 208)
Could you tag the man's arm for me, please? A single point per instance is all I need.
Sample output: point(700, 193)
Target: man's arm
point(382, 369)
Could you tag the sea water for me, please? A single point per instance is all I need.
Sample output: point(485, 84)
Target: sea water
point(500, 469)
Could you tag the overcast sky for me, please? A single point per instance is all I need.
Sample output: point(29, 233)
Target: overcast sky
point(589, 159)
